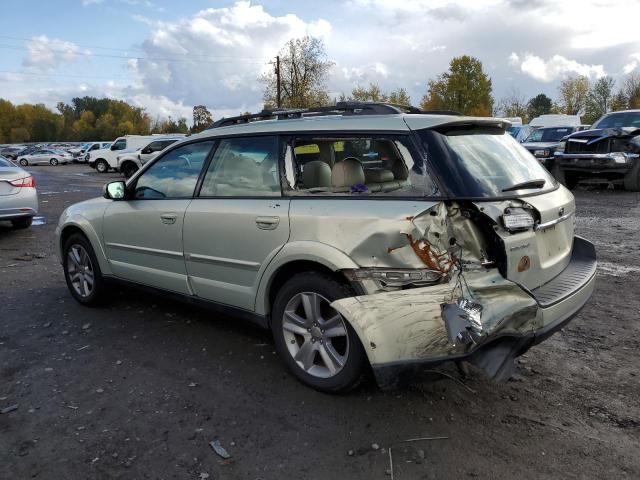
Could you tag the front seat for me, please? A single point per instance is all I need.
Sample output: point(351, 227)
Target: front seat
point(316, 174)
point(346, 173)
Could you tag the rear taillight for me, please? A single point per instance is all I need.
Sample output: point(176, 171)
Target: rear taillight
point(24, 182)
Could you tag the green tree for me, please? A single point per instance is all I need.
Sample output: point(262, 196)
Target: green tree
point(303, 72)
point(539, 105)
point(631, 91)
point(464, 88)
point(574, 93)
point(19, 135)
point(400, 97)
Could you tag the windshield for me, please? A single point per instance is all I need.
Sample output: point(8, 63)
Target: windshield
point(548, 134)
point(482, 162)
point(618, 120)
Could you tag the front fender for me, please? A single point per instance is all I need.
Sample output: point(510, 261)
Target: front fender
point(87, 228)
point(310, 251)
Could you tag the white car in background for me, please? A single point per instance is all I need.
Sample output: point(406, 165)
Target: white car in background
point(130, 162)
point(18, 195)
point(45, 156)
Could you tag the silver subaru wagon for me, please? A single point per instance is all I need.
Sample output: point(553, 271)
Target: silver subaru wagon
point(365, 236)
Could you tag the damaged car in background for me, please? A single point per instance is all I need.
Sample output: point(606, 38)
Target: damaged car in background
point(608, 152)
point(362, 234)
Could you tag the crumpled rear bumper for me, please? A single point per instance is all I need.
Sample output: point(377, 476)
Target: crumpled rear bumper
point(404, 332)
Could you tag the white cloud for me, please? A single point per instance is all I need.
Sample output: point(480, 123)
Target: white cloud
point(44, 53)
point(554, 68)
point(633, 64)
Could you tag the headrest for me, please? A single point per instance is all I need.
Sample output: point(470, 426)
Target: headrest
point(316, 174)
point(347, 172)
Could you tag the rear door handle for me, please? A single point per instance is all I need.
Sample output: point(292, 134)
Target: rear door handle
point(169, 218)
point(267, 223)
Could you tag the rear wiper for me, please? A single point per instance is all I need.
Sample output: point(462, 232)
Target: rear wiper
point(538, 183)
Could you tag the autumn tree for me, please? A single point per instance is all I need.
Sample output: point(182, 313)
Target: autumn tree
point(400, 97)
point(202, 118)
point(539, 105)
point(303, 72)
point(373, 93)
point(574, 93)
point(464, 88)
point(631, 91)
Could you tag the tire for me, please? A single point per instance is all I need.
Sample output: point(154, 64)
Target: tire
point(20, 223)
point(632, 178)
point(102, 166)
point(299, 333)
point(567, 179)
point(23, 162)
point(78, 254)
point(571, 180)
point(53, 162)
point(129, 169)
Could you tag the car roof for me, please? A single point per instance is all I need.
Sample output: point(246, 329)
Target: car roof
point(355, 123)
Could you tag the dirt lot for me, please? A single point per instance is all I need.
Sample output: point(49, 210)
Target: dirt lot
point(138, 389)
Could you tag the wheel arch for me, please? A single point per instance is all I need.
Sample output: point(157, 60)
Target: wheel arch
point(297, 257)
point(85, 229)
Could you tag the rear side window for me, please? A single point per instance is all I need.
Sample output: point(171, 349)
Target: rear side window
point(356, 165)
point(120, 144)
point(243, 167)
point(483, 162)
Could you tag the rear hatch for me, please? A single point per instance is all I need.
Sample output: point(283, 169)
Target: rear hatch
point(477, 163)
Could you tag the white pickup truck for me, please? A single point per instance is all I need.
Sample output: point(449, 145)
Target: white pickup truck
point(105, 159)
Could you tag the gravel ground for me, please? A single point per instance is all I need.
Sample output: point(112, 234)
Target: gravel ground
point(139, 388)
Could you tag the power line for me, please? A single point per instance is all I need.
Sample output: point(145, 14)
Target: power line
point(60, 75)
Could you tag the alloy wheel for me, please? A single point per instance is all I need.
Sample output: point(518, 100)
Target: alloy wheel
point(315, 335)
point(80, 270)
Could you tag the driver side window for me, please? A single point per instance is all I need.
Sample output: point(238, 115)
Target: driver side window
point(175, 174)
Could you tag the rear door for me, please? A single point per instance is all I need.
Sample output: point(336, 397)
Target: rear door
point(237, 223)
point(143, 235)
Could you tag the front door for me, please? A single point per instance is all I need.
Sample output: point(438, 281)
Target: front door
point(237, 223)
point(143, 234)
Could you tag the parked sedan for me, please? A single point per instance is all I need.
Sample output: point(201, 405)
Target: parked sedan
point(18, 195)
point(45, 157)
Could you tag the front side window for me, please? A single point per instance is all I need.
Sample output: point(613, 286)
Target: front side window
point(243, 167)
point(356, 165)
point(120, 144)
point(483, 162)
point(175, 174)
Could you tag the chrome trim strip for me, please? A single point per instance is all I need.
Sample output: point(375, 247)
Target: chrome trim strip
point(154, 251)
point(542, 226)
point(194, 257)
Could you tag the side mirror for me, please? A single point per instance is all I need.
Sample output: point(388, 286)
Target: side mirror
point(114, 190)
point(146, 150)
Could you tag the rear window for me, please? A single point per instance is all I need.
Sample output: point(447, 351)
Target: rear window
point(482, 162)
point(549, 134)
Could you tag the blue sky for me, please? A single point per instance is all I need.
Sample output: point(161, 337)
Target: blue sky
point(168, 56)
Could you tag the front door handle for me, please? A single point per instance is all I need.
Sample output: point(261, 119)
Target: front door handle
point(267, 223)
point(168, 218)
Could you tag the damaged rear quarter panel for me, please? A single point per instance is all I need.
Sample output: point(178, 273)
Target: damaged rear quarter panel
point(407, 324)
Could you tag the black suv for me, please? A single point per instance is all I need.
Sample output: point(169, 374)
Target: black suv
point(609, 151)
point(543, 142)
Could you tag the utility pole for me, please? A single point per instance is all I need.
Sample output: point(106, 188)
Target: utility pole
point(279, 100)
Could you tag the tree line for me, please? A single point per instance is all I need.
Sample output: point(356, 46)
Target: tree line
point(88, 119)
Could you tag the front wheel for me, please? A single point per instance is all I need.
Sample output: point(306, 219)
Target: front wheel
point(53, 162)
point(129, 169)
point(319, 346)
point(23, 162)
point(102, 166)
point(82, 271)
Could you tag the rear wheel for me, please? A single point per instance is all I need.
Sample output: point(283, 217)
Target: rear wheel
point(82, 271)
point(102, 166)
point(23, 162)
point(53, 162)
point(317, 344)
point(129, 169)
point(24, 222)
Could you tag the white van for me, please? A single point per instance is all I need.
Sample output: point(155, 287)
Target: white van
point(107, 158)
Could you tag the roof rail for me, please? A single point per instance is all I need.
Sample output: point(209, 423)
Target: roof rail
point(340, 108)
